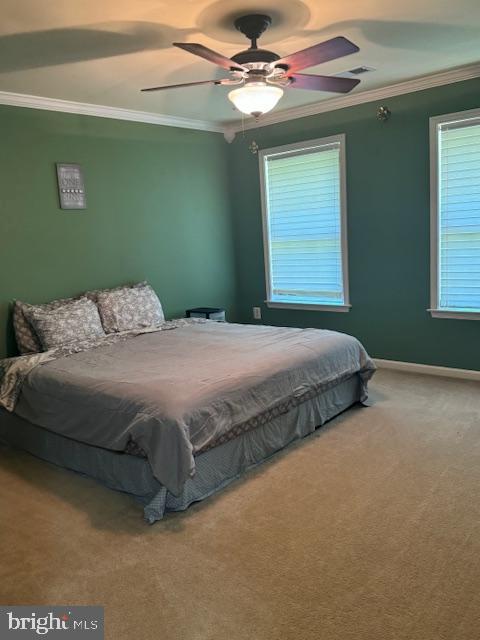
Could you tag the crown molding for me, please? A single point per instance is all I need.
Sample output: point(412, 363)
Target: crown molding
point(458, 74)
point(230, 129)
point(102, 111)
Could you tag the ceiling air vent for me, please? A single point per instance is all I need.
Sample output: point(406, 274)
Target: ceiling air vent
point(359, 70)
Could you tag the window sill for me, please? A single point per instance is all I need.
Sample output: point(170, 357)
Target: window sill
point(454, 315)
point(342, 308)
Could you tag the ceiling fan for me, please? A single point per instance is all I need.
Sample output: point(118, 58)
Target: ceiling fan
point(262, 75)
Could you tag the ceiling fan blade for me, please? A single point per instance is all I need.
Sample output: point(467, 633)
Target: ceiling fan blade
point(323, 52)
point(185, 84)
point(322, 83)
point(210, 55)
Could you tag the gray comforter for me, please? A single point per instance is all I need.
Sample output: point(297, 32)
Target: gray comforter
point(176, 393)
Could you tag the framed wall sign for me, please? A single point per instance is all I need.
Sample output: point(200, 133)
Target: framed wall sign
point(71, 188)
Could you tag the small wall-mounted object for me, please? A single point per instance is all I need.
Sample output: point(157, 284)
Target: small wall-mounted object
point(383, 113)
point(253, 146)
point(71, 187)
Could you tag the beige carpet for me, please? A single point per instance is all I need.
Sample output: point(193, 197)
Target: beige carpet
point(368, 530)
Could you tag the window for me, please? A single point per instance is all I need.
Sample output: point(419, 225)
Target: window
point(455, 215)
point(304, 224)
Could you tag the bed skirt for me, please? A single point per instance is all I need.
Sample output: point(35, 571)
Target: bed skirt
point(215, 468)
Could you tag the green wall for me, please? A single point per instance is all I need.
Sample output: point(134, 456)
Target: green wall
point(388, 228)
point(181, 208)
point(158, 209)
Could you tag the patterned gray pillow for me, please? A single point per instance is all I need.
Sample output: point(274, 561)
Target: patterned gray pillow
point(78, 320)
point(27, 340)
point(129, 309)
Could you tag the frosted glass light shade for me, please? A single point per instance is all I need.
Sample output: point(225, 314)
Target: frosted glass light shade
point(255, 98)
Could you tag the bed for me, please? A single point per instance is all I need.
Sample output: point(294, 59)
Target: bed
point(174, 413)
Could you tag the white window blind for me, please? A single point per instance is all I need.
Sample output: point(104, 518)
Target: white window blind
point(456, 213)
point(304, 224)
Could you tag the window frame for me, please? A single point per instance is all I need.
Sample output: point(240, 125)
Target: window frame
point(297, 147)
point(435, 123)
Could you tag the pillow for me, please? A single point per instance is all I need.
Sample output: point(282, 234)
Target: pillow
point(128, 309)
point(27, 340)
point(78, 320)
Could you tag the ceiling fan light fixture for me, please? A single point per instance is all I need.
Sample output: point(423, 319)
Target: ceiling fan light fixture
point(255, 98)
point(262, 75)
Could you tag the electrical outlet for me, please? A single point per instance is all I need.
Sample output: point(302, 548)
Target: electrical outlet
point(257, 313)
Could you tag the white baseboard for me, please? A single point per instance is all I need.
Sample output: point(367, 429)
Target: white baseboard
point(432, 370)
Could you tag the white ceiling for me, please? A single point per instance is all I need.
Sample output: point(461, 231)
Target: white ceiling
point(104, 51)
